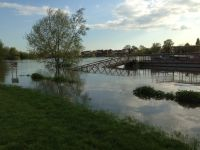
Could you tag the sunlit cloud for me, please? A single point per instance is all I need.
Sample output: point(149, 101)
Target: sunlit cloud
point(28, 9)
point(145, 14)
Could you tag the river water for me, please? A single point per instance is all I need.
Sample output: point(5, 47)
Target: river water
point(112, 90)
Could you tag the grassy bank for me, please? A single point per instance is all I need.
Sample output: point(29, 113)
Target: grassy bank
point(31, 120)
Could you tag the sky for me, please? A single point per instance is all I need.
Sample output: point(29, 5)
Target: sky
point(113, 23)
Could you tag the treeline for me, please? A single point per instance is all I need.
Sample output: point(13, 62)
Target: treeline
point(167, 47)
point(156, 48)
point(11, 53)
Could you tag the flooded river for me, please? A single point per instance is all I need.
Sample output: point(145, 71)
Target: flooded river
point(112, 90)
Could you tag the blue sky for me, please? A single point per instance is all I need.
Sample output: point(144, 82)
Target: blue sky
point(113, 23)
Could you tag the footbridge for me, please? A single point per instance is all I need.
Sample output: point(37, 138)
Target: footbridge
point(113, 62)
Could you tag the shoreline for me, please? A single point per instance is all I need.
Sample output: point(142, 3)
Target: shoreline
point(32, 120)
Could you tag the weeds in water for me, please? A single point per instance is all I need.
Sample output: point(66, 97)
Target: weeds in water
point(37, 77)
point(60, 79)
point(184, 98)
point(147, 92)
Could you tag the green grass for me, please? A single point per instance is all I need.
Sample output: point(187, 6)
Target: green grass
point(31, 120)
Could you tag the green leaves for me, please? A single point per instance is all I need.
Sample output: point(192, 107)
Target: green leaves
point(58, 36)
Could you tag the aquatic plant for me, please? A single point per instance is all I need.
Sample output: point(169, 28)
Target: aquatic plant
point(147, 92)
point(184, 98)
point(37, 77)
point(188, 98)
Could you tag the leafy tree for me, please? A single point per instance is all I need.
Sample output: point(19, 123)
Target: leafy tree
point(23, 55)
point(167, 46)
point(131, 49)
point(198, 41)
point(1, 51)
point(13, 54)
point(58, 36)
point(134, 48)
point(143, 50)
point(155, 48)
point(187, 44)
point(127, 47)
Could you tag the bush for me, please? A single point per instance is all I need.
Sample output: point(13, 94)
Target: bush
point(169, 96)
point(188, 98)
point(37, 77)
point(145, 92)
point(184, 98)
point(59, 79)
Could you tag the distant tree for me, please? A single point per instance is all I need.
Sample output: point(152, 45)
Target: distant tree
point(23, 55)
point(1, 50)
point(134, 48)
point(127, 47)
point(131, 49)
point(13, 54)
point(58, 36)
point(155, 48)
point(187, 44)
point(198, 41)
point(143, 50)
point(167, 46)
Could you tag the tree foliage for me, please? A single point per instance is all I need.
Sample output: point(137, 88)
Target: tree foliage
point(167, 46)
point(58, 36)
point(11, 53)
point(198, 41)
point(155, 48)
point(127, 47)
point(1, 50)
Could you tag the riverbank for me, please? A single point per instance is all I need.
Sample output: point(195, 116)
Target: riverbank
point(31, 120)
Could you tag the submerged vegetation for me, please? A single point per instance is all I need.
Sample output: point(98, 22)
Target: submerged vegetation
point(35, 121)
point(58, 79)
point(184, 98)
point(37, 77)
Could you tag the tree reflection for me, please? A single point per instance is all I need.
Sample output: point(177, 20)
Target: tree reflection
point(72, 87)
point(3, 70)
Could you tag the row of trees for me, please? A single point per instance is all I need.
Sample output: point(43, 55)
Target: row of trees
point(11, 53)
point(156, 47)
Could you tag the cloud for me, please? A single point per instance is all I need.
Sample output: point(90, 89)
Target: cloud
point(28, 9)
point(145, 14)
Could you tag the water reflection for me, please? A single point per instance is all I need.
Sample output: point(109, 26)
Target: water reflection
point(72, 87)
point(188, 99)
point(3, 71)
point(113, 92)
point(186, 76)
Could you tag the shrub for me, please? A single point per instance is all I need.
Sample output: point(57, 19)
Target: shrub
point(188, 98)
point(184, 98)
point(37, 77)
point(59, 79)
point(169, 96)
point(145, 92)
point(158, 94)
